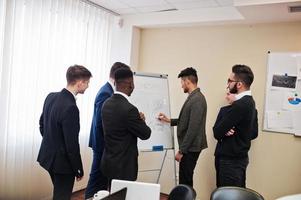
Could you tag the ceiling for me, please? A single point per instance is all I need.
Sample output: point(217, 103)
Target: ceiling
point(175, 12)
point(124, 7)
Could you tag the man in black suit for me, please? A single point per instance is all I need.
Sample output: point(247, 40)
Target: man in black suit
point(122, 125)
point(59, 126)
point(235, 127)
point(98, 181)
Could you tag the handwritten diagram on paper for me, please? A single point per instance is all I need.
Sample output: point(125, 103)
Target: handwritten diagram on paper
point(151, 96)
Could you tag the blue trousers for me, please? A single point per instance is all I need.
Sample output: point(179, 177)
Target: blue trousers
point(97, 180)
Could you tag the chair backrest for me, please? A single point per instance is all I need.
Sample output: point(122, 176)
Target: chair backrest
point(235, 193)
point(182, 192)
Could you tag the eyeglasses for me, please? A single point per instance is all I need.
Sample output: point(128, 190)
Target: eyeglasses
point(231, 81)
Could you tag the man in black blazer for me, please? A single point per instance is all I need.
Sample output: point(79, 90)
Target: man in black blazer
point(59, 126)
point(234, 129)
point(122, 124)
point(97, 180)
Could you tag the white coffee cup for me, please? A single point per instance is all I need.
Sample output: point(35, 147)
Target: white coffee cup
point(101, 194)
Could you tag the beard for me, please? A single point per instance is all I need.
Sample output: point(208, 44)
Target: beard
point(233, 90)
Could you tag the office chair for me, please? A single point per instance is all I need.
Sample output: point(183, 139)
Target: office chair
point(235, 193)
point(182, 192)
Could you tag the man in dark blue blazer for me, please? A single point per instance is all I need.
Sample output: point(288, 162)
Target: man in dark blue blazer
point(59, 126)
point(97, 180)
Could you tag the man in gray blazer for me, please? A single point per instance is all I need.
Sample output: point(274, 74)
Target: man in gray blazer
point(191, 126)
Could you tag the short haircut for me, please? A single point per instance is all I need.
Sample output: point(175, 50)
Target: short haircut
point(115, 67)
point(244, 74)
point(123, 74)
point(189, 73)
point(77, 72)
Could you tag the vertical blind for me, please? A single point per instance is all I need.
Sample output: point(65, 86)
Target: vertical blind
point(39, 40)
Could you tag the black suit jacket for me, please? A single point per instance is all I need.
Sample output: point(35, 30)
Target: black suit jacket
point(59, 127)
point(122, 126)
point(242, 116)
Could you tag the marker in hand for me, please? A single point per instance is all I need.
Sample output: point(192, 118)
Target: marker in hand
point(162, 117)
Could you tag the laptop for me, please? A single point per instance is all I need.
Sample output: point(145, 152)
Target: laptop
point(118, 195)
point(137, 190)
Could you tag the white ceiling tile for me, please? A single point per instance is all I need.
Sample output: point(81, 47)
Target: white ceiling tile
point(111, 4)
point(154, 8)
point(182, 1)
point(143, 3)
point(194, 5)
point(125, 11)
point(225, 2)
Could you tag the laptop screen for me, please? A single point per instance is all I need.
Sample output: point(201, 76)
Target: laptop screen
point(137, 190)
point(119, 195)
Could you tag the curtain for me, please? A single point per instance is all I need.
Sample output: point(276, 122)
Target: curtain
point(39, 40)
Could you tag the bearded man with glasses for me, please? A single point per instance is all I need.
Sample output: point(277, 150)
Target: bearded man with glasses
point(236, 125)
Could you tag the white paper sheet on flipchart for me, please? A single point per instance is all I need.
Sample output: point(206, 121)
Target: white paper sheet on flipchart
point(288, 106)
point(280, 119)
point(298, 60)
point(299, 73)
point(274, 102)
point(297, 120)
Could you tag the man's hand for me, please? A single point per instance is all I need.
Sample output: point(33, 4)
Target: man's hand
point(162, 117)
point(230, 98)
point(142, 116)
point(178, 156)
point(231, 132)
point(79, 178)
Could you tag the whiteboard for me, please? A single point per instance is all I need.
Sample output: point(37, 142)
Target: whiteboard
point(282, 112)
point(151, 96)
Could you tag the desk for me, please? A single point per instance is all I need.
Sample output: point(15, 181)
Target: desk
point(290, 197)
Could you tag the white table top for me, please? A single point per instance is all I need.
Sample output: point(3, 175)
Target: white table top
point(290, 197)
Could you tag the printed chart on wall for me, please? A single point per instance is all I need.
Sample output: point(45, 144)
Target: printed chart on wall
point(283, 93)
point(151, 96)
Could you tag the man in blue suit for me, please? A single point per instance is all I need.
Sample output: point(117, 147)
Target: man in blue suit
point(97, 180)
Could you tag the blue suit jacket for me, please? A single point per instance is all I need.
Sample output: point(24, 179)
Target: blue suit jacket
point(96, 141)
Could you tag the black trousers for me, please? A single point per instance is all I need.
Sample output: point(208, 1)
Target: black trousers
point(230, 172)
point(97, 180)
point(187, 165)
point(62, 185)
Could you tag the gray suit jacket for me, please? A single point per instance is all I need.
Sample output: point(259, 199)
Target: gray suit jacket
point(191, 123)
